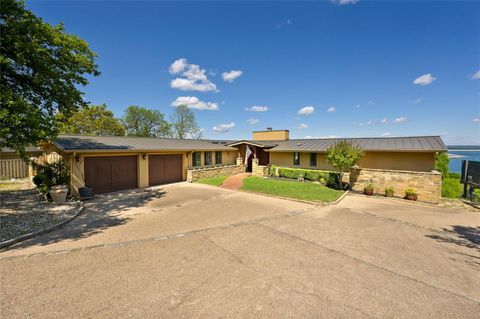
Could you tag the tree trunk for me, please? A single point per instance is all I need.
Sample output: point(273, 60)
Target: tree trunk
point(340, 179)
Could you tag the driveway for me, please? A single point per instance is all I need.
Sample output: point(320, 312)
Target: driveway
point(196, 251)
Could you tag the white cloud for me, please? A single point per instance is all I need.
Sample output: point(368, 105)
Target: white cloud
point(400, 119)
point(194, 103)
point(191, 77)
point(223, 128)
point(331, 109)
point(306, 110)
point(383, 121)
point(257, 108)
point(476, 75)
point(231, 75)
point(371, 102)
point(476, 120)
point(357, 106)
point(417, 100)
point(386, 134)
point(302, 126)
point(342, 2)
point(425, 79)
point(253, 121)
point(369, 122)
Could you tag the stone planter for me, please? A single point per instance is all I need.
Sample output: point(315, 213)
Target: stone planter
point(59, 193)
point(368, 191)
point(411, 197)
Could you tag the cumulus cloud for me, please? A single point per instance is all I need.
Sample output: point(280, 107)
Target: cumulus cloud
point(194, 103)
point(331, 109)
point(231, 75)
point(253, 121)
point(342, 2)
point(400, 119)
point(383, 121)
point(302, 126)
point(191, 77)
point(357, 106)
point(476, 75)
point(223, 128)
point(386, 134)
point(306, 110)
point(476, 120)
point(257, 108)
point(425, 79)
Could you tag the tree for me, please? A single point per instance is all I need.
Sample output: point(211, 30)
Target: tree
point(42, 67)
point(184, 123)
point(343, 156)
point(441, 163)
point(140, 121)
point(92, 120)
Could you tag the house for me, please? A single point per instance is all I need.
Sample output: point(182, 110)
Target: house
point(109, 163)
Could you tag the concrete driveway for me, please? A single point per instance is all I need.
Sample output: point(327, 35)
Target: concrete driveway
point(195, 251)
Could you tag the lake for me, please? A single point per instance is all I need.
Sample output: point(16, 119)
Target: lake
point(456, 163)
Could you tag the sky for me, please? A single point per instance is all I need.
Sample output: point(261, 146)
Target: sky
point(341, 68)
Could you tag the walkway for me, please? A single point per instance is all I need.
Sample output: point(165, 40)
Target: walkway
point(235, 181)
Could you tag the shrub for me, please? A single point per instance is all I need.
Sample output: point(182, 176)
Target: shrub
point(368, 187)
point(50, 174)
point(441, 163)
point(410, 192)
point(389, 191)
point(476, 191)
point(451, 188)
point(454, 175)
point(326, 177)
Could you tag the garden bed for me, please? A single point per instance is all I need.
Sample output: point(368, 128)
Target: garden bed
point(24, 210)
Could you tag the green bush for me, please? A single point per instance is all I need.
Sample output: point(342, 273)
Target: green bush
point(273, 168)
point(454, 175)
point(451, 188)
point(50, 174)
point(411, 192)
point(441, 163)
point(326, 177)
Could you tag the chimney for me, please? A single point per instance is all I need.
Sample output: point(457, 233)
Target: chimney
point(269, 129)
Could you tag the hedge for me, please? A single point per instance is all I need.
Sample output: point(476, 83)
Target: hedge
point(325, 177)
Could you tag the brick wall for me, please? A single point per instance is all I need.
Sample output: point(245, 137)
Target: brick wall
point(427, 184)
point(228, 170)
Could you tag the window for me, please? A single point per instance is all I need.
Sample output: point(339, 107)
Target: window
point(218, 158)
point(208, 158)
point(196, 160)
point(296, 158)
point(313, 159)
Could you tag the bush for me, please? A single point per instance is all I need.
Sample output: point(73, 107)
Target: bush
point(454, 175)
point(50, 174)
point(325, 177)
point(451, 188)
point(441, 163)
point(411, 192)
point(273, 168)
point(368, 187)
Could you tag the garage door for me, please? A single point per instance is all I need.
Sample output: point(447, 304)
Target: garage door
point(110, 173)
point(164, 169)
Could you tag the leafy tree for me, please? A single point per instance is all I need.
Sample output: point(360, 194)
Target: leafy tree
point(343, 156)
point(441, 163)
point(92, 120)
point(184, 123)
point(140, 121)
point(42, 67)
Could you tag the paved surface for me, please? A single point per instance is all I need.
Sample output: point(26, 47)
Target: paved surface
point(235, 181)
point(236, 255)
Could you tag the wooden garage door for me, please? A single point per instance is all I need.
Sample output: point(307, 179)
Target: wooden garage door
point(110, 173)
point(164, 169)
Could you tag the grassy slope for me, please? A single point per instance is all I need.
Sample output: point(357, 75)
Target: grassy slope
point(216, 181)
point(291, 189)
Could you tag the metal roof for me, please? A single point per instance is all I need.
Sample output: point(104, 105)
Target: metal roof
point(70, 143)
point(27, 149)
point(393, 144)
point(256, 143)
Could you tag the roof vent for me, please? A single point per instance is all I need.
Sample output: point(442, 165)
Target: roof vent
point(269, 128)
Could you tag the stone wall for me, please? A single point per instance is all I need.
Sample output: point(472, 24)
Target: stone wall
point(427, 184)
point(206, 172)
point(259, 170)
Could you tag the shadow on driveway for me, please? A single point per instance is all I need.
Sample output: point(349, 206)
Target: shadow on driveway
point(102, 212)
point(460, 235)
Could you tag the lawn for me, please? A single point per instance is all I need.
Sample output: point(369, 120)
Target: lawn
point(215, 181)
point(292, 189)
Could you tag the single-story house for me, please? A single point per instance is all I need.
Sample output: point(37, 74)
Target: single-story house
point(109, 163)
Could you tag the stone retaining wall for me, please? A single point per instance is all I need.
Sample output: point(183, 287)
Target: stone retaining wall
point(427, 184)
point(206, 172)
point(259, 170)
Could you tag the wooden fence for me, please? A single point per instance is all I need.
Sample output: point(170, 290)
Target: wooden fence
point(13, 168)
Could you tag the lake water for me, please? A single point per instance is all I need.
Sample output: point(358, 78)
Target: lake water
point(456, 163)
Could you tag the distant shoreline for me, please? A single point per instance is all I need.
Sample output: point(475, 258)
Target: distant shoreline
point(461, 150)
point(456, 156)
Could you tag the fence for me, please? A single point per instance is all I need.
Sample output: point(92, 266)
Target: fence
point(13, 168)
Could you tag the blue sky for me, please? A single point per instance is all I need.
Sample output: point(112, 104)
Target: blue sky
point(354, 65)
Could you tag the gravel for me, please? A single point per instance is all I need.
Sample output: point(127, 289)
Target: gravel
point(23, 210)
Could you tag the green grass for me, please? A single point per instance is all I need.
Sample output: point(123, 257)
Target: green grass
point(292, 189)
point(215, 181)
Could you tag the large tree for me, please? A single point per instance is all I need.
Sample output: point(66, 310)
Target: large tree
point(42, 68)
point(343, 156)
point(184, 123)
point(140, 121)
point(92, 120)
